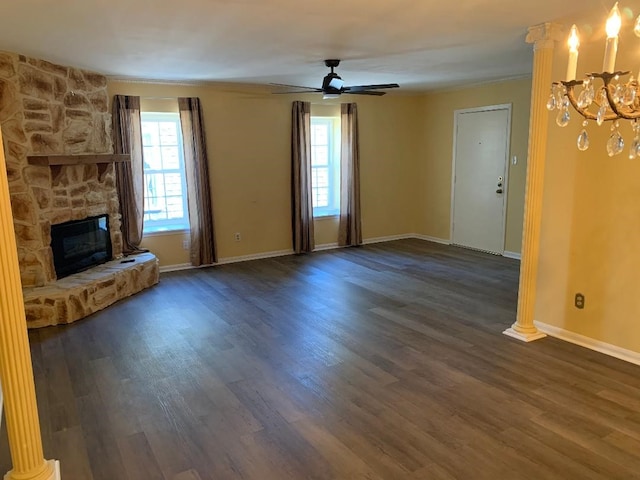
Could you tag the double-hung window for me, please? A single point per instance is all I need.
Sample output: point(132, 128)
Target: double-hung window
point(325, 166)
point(165, 186)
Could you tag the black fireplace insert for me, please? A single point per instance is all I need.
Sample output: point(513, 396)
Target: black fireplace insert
point(80, 244)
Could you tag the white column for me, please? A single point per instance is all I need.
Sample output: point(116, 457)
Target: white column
point(16, 370)
point(543, 38)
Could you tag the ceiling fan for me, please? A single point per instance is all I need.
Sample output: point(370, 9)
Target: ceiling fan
point(333, 86)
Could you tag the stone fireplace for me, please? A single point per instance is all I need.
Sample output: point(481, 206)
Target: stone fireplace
point(80, 244)
point(48, 111)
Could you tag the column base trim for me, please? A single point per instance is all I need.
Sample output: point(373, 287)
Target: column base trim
point(54, 468)
point(524, 337)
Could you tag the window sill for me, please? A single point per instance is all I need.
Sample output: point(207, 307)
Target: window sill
point(160, 233)
point(326, 216)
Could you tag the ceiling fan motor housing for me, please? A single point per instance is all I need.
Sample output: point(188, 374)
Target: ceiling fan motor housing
point(332, 83)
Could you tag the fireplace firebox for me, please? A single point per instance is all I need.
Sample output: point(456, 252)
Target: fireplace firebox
point(80, 244)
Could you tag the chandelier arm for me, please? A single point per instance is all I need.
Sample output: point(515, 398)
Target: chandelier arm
point(620, 111)
point(583, 111)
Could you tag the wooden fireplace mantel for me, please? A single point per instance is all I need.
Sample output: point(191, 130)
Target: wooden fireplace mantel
point(66, 159)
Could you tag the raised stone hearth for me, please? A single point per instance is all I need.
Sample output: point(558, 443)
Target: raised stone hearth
point(81, 294)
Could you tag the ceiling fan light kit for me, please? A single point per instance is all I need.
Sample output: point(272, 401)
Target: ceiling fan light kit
point(333, 85)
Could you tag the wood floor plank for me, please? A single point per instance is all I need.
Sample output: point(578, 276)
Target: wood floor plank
point(341, 458)
point(187, 475)
point(138, 458)
point(382, 362)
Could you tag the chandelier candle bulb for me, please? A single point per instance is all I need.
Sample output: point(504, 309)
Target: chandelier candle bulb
point(574, 43)
point(614, 22)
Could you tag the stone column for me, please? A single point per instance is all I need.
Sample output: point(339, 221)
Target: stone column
point(543, 38)
point(16, 371)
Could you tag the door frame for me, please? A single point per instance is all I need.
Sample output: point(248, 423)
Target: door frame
point(489, 108)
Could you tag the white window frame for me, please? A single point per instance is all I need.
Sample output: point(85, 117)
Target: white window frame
point(333, 126)
point(168, 225)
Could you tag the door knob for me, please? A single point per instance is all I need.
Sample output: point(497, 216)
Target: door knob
point(499, 190)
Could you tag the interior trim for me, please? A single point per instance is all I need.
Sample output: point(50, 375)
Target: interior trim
point(590, 343)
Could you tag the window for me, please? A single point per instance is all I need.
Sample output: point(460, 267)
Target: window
point(165, 186)
point(325, 166)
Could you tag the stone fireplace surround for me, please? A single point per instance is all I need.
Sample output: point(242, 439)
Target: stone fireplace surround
point(51, 110)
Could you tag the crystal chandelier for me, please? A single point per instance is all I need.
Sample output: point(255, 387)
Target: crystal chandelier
point(611, 101)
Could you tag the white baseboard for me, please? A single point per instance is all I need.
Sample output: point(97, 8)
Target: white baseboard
point(514, 255)
point(255, 256)
point(443, 241)
point(176, 267)
point(222, 261)
point(326, 246)
point(318, 248)
point(390, 238)
point(590, 343)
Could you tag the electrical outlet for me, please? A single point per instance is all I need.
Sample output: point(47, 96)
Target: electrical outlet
point(579, 301)
point(186, 244)
point(237, 237)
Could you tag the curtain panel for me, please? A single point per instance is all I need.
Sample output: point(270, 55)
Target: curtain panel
point(129, 175)
point(203, 247)
point(301, 201)
point(350, 229)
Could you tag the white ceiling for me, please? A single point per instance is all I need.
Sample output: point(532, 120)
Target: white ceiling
point(420, 44)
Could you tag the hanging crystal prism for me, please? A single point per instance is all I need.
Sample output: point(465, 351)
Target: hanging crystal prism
point(562, 120)
point(629, 95)
point(618, 93)
point(591, 93)
point(583, 140)
point(634, 151)
point(615, 144)
point(583, 99)
point(551, 103)
point(602, 111)
point(602, 97)
point(561, 92)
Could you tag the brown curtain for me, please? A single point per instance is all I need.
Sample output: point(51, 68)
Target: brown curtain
point(350, 229)
point(129, 175)
point(302, 206)
point(203, 248)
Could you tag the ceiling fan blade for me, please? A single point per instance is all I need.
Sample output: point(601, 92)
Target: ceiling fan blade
point(366, 92)
point(296, 91)
point(333, 86)
point(358, 88)
point(313, 89)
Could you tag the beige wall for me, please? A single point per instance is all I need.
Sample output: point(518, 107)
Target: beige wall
point(590, 225)
point(433, 203)
point(248, 141)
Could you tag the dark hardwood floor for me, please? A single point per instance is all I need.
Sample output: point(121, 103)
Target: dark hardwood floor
point(380, 362)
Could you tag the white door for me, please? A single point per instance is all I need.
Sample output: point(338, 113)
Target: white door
point(481, 151)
